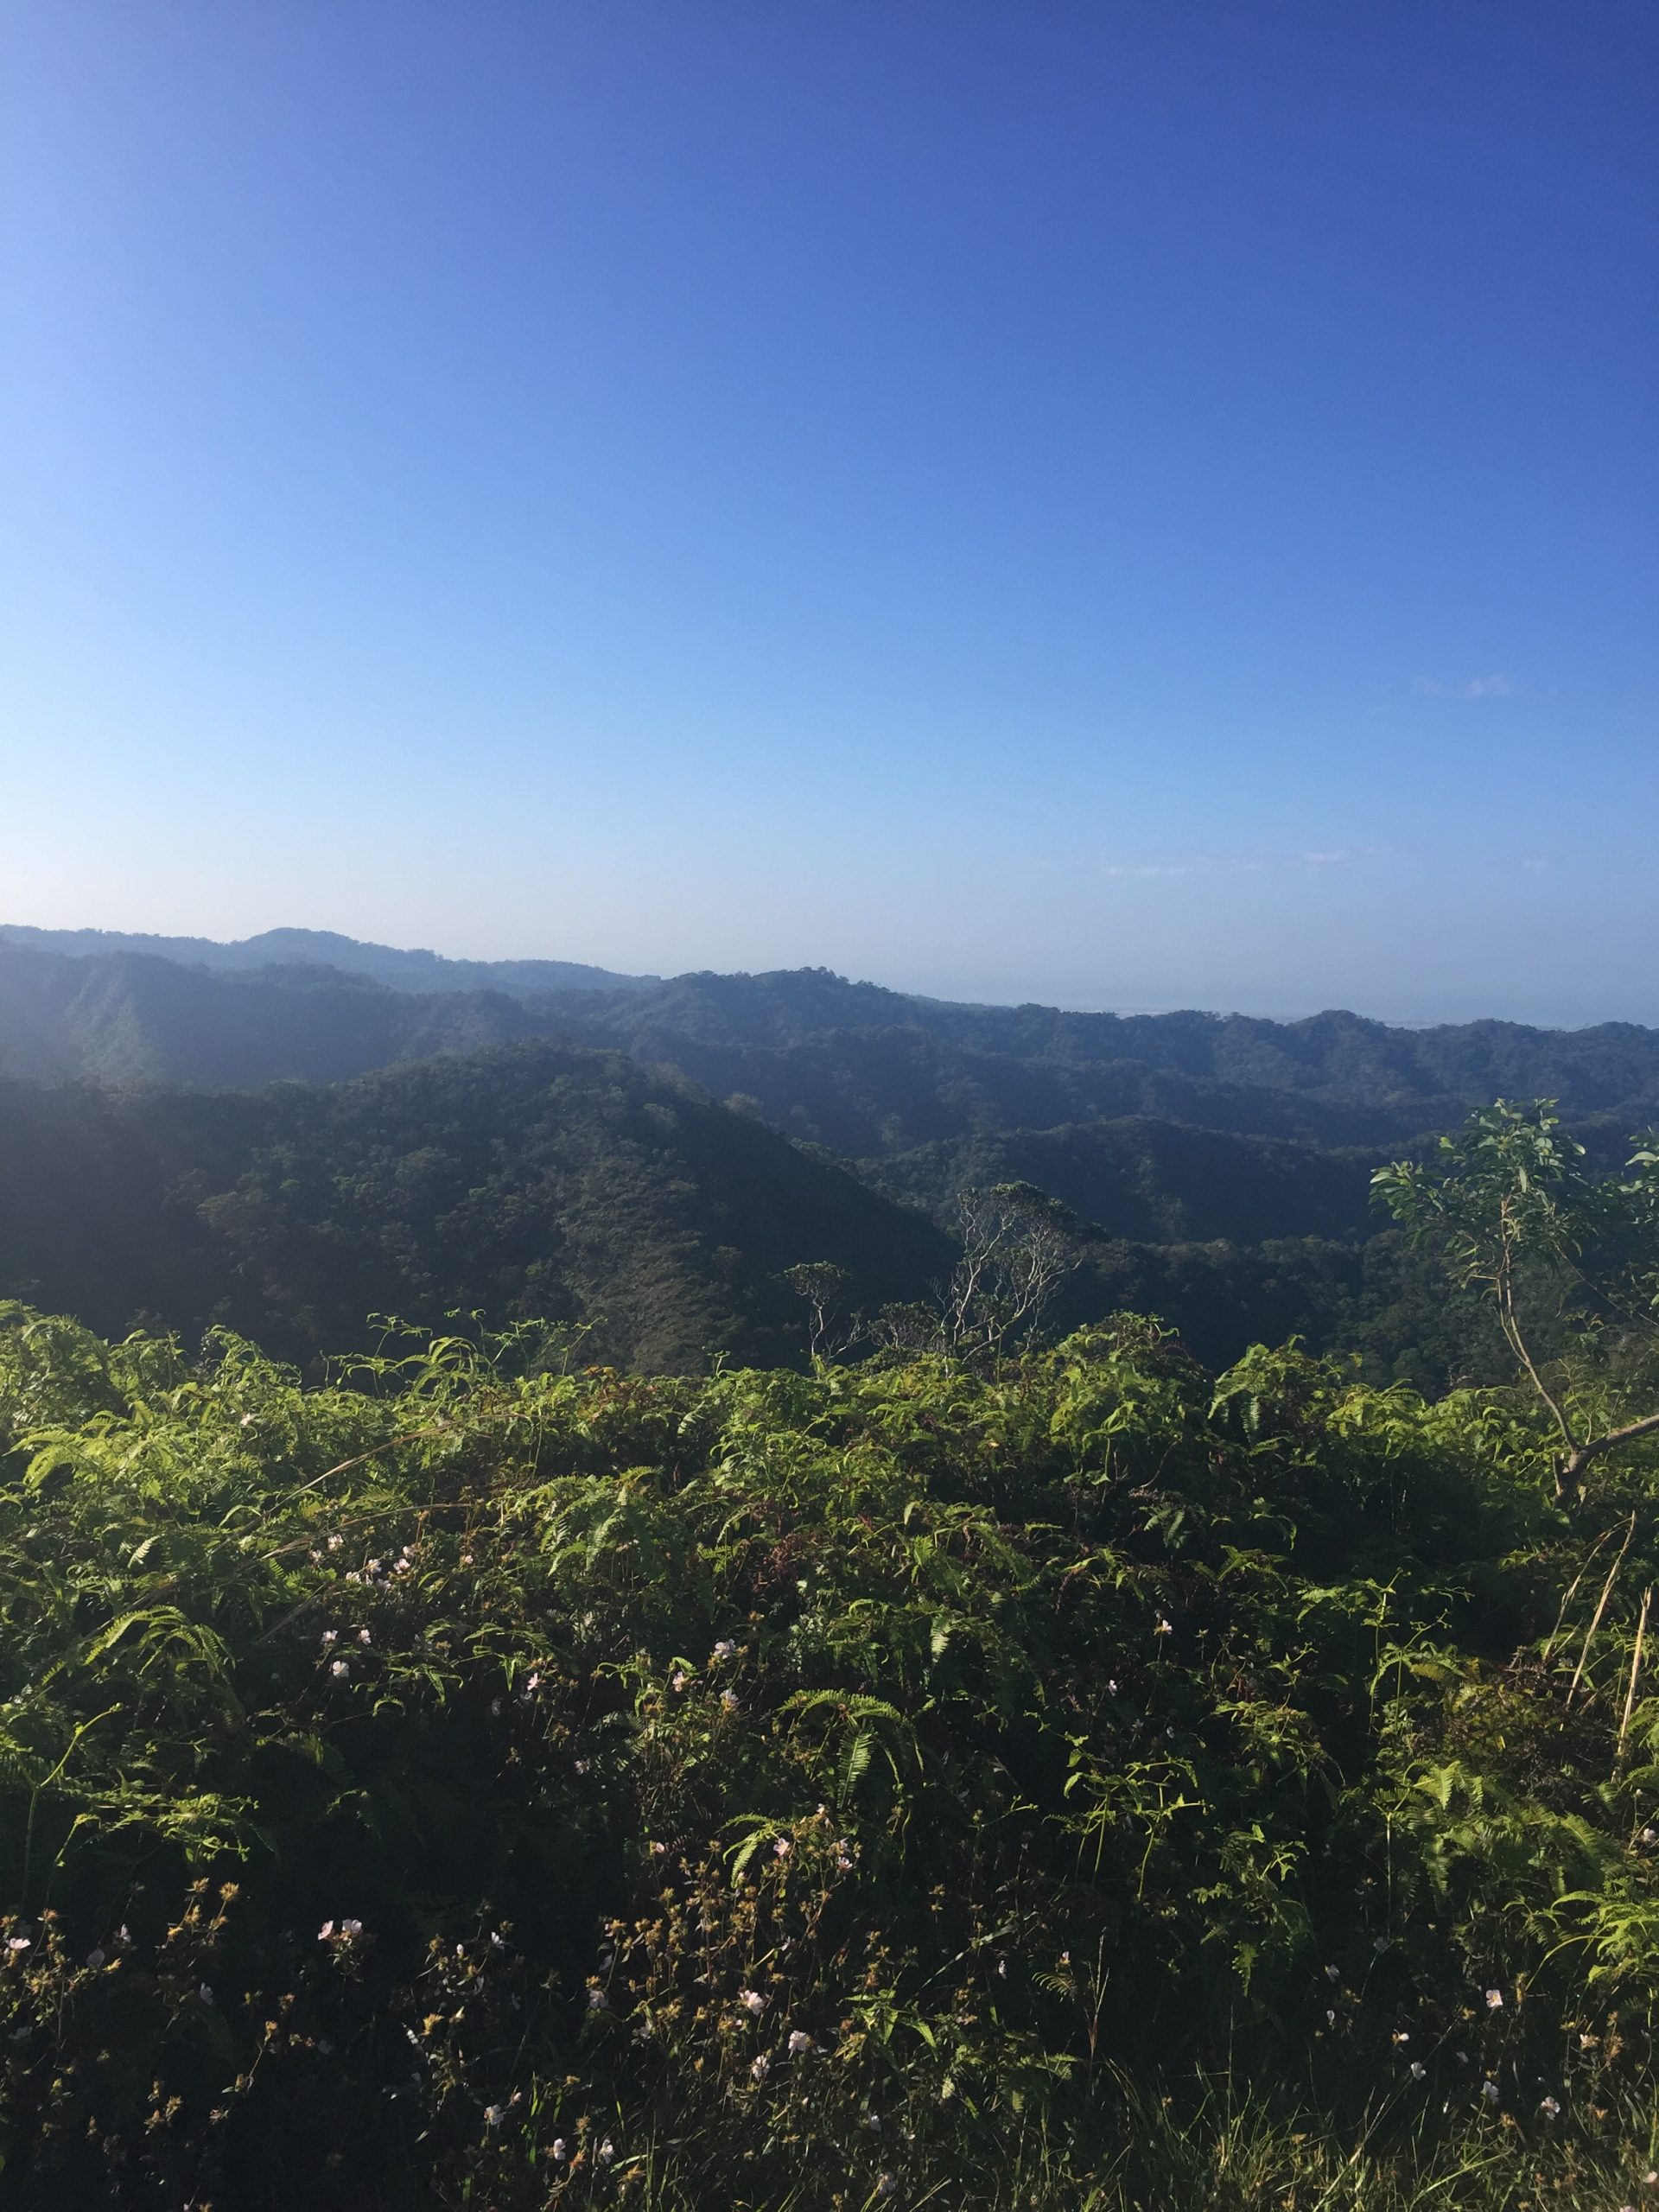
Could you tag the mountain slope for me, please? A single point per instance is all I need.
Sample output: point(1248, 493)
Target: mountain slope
point(864, 1069)
point(128, 1018)
point(390, 964)
point(1155, 1181)
point(1333, 1068)
point(533, 1181)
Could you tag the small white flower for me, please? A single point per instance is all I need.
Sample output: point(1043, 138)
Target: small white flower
point(1330, 2018)
point(1401, 2035)
point(782, 1848)
point(729, 1698)
point(885, 2185)
point(1650, 1836)
point(363, 1635)
point(678, 1678)
point(204, 1990)
point(1418, 2069)
point(843, 1862)
point(19, 1943)
point(873, 2121)
point(1490, 2091)
point(597, 2000)
point(1163, 1628)
point(725, 1649)
point(330, 1635)
point(1494, 2000)
point(465, 1558)
point(1549, 2108)
point(799, 2040)
point(340, 1671)
point(558, 2153)
point(335, 1542)
point(325, 1931)
point(752, 2001)
point(352, 1574)
point(605, 2152)
point(760, 2067)
point(1333, 1973)
point(351, 1930)
point(494, 2115)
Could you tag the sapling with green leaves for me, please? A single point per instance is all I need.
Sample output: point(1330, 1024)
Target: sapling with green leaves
point(1570, 1262)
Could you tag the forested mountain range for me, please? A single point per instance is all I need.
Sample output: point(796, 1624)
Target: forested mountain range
point(522, 1150)
point(852, 1065)
point(402, 969)
point(536, 1180)
point(123, 1018)
point(868, 1070)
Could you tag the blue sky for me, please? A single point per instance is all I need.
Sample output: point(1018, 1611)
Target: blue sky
point(1123, 502)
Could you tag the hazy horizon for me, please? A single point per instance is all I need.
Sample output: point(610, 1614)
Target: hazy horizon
point(967, 996)
point(1131, 506)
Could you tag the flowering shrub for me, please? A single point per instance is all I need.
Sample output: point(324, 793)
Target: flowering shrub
point(468, 1782)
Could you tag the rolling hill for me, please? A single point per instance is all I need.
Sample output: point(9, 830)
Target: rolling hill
point(534, 1181)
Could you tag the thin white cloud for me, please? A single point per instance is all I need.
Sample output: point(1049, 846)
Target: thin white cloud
point(1496, 686)
point(1250, 863)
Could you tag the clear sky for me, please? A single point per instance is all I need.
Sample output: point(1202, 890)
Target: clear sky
point(1120, 502)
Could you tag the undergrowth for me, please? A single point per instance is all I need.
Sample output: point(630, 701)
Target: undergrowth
point(1081, 1783)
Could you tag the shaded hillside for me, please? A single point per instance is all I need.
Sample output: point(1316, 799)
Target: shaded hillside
point(815, 1049)
point(1161, 1182)
point(868, 1091)
point(865, 1070)
point(401, 970)
point(128, 1018)
point(533, 1181)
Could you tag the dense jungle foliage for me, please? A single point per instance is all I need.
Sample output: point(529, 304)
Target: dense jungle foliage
point(1062, 1779)
point(535, 1181)
point(542, 1181)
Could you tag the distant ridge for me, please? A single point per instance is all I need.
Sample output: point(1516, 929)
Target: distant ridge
point(413, 970)
point(867, 1071)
